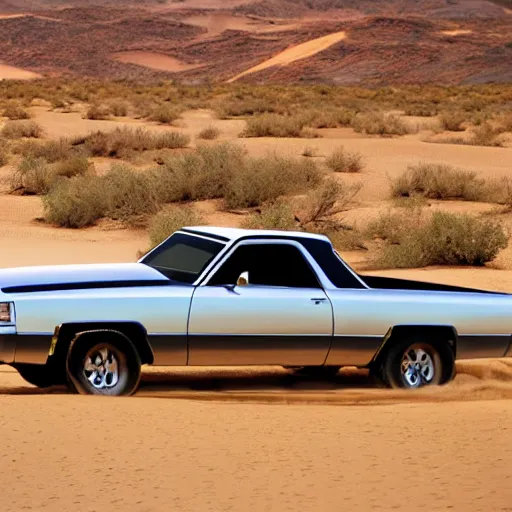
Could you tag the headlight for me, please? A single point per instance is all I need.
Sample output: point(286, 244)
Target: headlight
point(6, 312)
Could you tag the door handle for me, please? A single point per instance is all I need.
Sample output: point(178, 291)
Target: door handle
point(319, 300)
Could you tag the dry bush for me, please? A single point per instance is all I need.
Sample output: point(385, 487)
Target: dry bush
point(265, 179)
point(120, 142)
point(378, 123)
point(342, 160)
point(15, 111)
point(51, 150)
point(443, 239)
point(485, 135)
point(421, 110)
point(75, 203)
point(277, 215)
point(130, 194)
point(165, 114)
point(505, 122)
point(77, 165)
point(453, 120)
point(21, 129)
point(118, 108)
point(209, 133)
point(97, 112)
point(203, 174)
point(167, 222)
point(31, 176)
point(328, 117)
point(4, 154)
point(273, 125)
point(247, 107)
point(309, 152)
point(439, 181)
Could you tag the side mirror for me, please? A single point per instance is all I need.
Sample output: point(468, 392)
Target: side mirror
point(243, 279)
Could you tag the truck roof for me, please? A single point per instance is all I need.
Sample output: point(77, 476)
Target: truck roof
point(231, 234)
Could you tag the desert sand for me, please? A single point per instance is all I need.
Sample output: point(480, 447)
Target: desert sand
point(13, 73)
point(297, 52)
point(211, 439)
point(154, 61)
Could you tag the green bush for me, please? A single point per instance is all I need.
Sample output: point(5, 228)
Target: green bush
point(50, 150)
point(209, 133)
point(15, 111)
point(77, 165)
point(439, 181)
point(75, 203)
point(167, 222)
point(345, 161)
point(377, 123)
point(21, 129)
point(445, 239)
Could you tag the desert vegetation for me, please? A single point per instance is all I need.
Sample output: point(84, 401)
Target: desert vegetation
point(21, 129)
point(342, 160)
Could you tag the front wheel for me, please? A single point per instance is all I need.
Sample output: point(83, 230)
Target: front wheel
point(103, 363)
point(413, 364)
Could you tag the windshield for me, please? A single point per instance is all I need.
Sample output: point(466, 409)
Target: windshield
point(183, 257)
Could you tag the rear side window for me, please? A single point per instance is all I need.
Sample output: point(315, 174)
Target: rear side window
point(268, 265)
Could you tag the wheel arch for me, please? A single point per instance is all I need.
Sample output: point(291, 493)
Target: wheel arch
point(135, 331)
point(447, 333)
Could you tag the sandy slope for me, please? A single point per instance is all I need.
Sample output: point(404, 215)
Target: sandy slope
point(153, 60)
point(300, 51)
point(13, 73)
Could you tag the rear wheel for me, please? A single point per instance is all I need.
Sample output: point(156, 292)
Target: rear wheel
point(103, 363)
point(413, 364)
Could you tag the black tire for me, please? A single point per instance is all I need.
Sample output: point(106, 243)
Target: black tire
point(39, 375)
point(321, 372)
point(103, 363)
point(413, 363)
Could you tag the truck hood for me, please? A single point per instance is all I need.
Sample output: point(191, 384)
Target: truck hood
point(31, 279)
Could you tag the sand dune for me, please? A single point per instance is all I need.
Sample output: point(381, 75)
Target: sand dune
point(13, 73)
point(459, 32)
point(300, 51)
point(152, 60)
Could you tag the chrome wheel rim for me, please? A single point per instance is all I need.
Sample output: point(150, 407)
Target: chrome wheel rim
point(417, 367)
point(101, 367)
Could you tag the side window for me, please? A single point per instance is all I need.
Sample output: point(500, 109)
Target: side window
point(268, 265)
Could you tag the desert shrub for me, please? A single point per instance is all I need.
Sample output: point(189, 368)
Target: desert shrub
point(77, 165)
point(21, 129)
point(421, 110)
point(31, 176)
point(505, 122)
point(165, 114)
point(167, 222)
point(209, 133)
point(269, 177)
point(15, 111)
point(97, 112)
point(4, 154)
point(247, 107)
point(445, 239)
point(129, 193)
point(75, 203)
point(51, 150)
point(378, 123)
point(121, 141)
point(203, 174)
point(277, 215)
point(118, 108)
point(273, 125)
point(439, 181)
point(391, 226)
point(485, 135)
point(309, 151)
point(342, 160)
point(453, 120)
point(328, 117)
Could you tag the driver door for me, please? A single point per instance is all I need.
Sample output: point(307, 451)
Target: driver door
point(281, 316)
